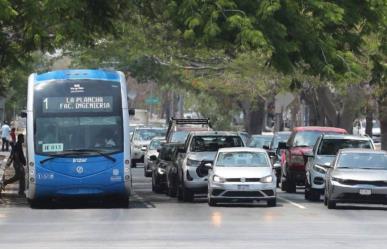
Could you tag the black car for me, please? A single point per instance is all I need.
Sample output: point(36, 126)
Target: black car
point(171, 171)
point(159, 171)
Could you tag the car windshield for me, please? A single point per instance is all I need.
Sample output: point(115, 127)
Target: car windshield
point(242, 159)
point(155, 144)
point(148, 134)
point(213, 143)
point(179, 136)
point(332, 146)
point(308, 138)
point(279, 137)
point(260, 141)
point(363, 161)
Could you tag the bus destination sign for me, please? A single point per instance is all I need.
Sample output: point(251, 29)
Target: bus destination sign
point(78, 104)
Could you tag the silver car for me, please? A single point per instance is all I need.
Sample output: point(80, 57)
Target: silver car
point(322, 156)
point(242, 174)
point(357, 176)
point(140, 141)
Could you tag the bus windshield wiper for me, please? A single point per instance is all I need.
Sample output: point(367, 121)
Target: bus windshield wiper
point(82, 151)
point(67, 153)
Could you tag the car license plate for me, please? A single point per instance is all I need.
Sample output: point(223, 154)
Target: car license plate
point(365, 192)
point(243, 187)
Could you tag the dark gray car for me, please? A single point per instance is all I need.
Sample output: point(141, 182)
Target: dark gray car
point(357, 176)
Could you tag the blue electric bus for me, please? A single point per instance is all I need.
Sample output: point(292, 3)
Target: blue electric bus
point(77, 136)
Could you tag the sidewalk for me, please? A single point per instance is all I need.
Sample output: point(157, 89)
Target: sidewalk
point(11, 189)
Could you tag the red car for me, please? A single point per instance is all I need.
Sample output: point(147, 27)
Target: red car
point(300, 141)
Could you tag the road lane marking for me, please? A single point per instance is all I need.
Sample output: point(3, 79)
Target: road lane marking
point(292, 203)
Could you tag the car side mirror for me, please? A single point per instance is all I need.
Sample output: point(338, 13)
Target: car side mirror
point(153, 158)
point(181, 150)
point(266, 147)
point(308, 155)
point(282, 146)
point(23, 114)
point(132, 112)
point(143, 148)
point(208, 165)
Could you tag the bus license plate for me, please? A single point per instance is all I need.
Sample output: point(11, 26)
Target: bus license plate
point(243, 187)
point(365, 192)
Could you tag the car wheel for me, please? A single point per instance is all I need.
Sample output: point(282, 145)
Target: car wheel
point(283, 182)
point(156, 187)
point(291, 186)
point(187, 195)
point(212, 202)
point(171, 189)
point(325, 200)
point(314, 194)
point(134, 163)
point(272, 202)
point(307, 191)
point(331, 204)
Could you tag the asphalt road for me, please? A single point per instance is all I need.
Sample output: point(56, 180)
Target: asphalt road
point(157, 221)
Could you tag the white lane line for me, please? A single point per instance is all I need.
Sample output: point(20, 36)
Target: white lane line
point(292, 203)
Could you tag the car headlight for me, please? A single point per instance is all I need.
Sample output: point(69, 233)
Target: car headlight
point(319, 169)
point(339, 180)
point(218, 179)
point(267, 179)
point(161, 171)
point(298, 159)
point(193, 163)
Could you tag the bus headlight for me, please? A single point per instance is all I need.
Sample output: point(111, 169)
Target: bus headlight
point(31, 164)
point(32, 180)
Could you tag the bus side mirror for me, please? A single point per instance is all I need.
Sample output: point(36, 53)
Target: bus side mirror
point(132, 112)
point(23, 114)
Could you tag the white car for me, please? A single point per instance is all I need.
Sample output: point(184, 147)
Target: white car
point(359, 128)
point(242, 174)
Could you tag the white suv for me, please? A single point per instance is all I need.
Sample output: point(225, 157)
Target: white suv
point(201, 148)
point(322, 156)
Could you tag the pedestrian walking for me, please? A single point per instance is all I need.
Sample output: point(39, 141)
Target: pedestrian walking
point(5, 131)
point(13, 137)
point(19, 161)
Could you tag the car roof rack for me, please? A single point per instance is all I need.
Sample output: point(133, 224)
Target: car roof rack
point(174, 122)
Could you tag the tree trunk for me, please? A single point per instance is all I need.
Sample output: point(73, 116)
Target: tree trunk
point(383, 122)
point(253, 116)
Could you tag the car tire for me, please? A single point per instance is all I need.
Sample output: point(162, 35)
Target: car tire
point(212, 202)
point(283, 182)
point(272, 202)
point(133, 164)
point(291, 186)
point(187, 194)
point(156, 184)
point(314, 194)
point(325, 201)
point(147, 174)
point(331, 204)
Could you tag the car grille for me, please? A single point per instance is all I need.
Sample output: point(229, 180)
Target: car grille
point(243, 194)
point(246, 180)
point(373, 183)
point(363, 198)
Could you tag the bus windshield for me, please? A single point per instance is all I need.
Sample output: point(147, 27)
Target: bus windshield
point(78, 115)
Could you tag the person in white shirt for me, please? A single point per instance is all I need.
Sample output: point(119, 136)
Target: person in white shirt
point(5, 131)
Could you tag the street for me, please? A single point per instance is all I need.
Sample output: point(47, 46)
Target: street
point(157, 221)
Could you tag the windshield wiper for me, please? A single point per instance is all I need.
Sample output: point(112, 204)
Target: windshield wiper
point(67, 153)
point(82, 151)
